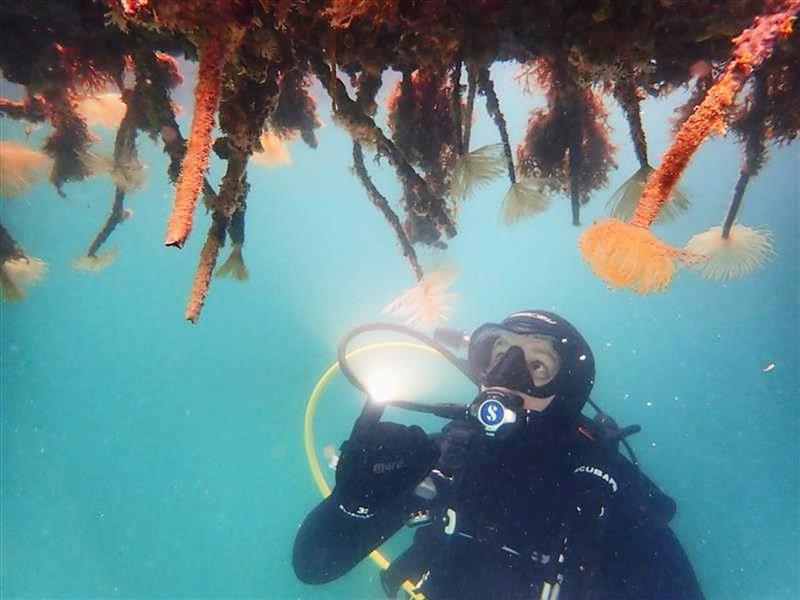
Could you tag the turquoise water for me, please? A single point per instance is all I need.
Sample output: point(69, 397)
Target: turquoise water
point(143, 457)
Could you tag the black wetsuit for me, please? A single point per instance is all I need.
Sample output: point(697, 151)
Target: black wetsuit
point(512, 519)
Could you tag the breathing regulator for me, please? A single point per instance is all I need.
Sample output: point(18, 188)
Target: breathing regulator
point(498, 414)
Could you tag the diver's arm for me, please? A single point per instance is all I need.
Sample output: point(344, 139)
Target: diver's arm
point(330, 541)
point(618, 536)
point(378, 469)
point(643, 556)
point(649, 563)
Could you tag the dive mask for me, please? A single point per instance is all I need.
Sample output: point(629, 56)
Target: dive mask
point(569, 376)
point(523, 363)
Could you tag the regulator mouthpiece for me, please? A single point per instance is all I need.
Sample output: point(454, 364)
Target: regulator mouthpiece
point(498, 413)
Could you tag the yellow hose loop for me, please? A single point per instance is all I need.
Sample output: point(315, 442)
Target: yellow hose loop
point(308, 436)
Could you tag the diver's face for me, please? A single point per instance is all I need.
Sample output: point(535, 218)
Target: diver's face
point(541, 358)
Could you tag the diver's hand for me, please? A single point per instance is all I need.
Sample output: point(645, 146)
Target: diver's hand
point(379, 463)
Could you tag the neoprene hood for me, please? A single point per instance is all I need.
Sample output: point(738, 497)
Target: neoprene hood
point(575, 378)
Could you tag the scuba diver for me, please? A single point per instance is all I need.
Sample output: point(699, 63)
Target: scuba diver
point(523, 497)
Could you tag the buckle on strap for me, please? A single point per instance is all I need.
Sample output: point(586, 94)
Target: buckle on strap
point(450, 521)
point(550, 591)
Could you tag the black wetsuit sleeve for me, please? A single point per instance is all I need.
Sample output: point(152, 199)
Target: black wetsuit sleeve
point(331, 542)
point(644, 558)
point(650, 563)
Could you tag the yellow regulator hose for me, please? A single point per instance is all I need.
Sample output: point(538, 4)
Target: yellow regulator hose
point(308, 435)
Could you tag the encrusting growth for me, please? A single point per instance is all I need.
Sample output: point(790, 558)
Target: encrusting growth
point(567, 144)
point(32, 109)
point(246, 106)
point(382, 205)
point(733, 250)
point(628, 254)
point(471, 169)
point(126, 170)
point(234, 264)
point(213, 52)
point(257, 62)
point(215, 240)
point(419, 199)
point(623, 202)
point(69, 142)
point(526, 197)
point(233, 187)
point(217, 28)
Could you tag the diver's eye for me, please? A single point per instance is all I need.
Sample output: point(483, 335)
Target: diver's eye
point(540, 372)
point(537, 367)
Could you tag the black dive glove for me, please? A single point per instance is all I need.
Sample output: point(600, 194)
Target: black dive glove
point(380, 462)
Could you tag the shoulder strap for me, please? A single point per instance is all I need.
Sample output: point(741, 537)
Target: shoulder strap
point(412, 564)
point(454, 442)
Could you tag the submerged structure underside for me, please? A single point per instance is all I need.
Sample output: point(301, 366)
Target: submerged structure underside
point(258, 58)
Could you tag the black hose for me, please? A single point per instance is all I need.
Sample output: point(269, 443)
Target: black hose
point(341, 352)
point(372, 411)
point(445, 410)
point(634, 460)
point(618, 434)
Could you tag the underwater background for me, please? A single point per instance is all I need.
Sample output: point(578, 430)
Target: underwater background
point(143, 457)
